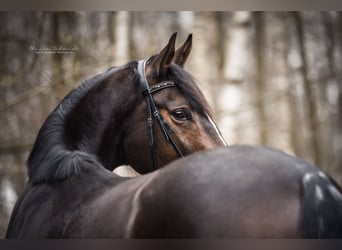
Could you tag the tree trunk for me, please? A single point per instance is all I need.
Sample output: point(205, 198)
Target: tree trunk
point(311, 106)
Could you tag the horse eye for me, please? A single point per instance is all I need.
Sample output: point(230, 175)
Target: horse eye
point(181, 114)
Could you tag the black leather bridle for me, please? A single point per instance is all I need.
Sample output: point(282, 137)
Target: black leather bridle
point(152, 111)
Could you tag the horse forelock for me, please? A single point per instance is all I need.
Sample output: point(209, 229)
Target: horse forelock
point(189, 88)
point(50, 160)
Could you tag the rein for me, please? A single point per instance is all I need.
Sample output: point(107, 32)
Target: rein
point(152, 111)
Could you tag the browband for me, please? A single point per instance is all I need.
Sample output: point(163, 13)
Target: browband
point(146, 89)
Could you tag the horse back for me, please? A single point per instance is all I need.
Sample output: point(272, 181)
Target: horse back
point(239, 191)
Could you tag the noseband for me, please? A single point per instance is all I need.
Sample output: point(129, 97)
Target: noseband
point(152, 110)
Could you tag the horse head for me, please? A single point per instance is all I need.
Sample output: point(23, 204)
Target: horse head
point(183, 107)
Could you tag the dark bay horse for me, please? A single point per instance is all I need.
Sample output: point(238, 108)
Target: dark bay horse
point(236, 191)
point(144, 114)
point(230, 192)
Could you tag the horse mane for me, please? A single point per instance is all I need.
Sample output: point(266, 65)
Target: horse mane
point(50, 159)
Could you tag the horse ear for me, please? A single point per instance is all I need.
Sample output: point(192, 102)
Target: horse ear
point(183, 52)
point(163, 60)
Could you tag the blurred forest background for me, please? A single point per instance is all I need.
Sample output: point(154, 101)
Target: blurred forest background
point(273, 78)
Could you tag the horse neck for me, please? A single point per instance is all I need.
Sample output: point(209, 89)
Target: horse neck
point(100, 131)
point(69, 140)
